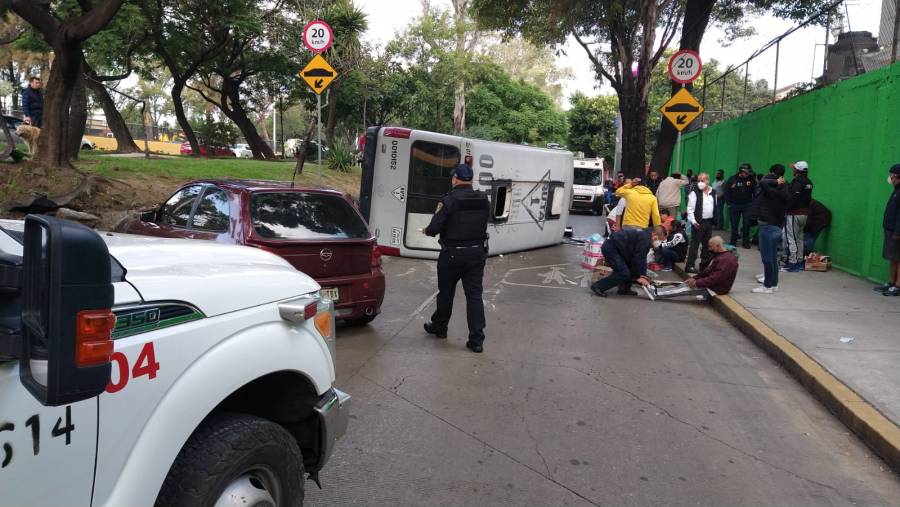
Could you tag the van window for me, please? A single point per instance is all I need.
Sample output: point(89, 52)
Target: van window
point(555, 200)
point(501, 201)
point(586, 176)
point(305, 215)
point(430, 166)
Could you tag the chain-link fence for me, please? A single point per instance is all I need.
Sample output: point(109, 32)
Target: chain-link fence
point(767, 76)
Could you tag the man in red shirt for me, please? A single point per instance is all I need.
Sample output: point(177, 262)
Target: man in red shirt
point(716, 278)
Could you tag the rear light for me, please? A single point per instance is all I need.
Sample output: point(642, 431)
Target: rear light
point(389, 250)
point(376, 256)
point(397, 133)
point(93, 337)
point(310, 310)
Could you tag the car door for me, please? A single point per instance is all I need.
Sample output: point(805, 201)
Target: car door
point(46, 453)
point(173, 218)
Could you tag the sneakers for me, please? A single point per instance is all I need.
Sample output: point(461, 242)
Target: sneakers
point(432, 329)
point(765, 290)
point(760, 278)
point(666, 270)
point(474, 347)
point(795, 267)
point(882, 288)
point(893, 291)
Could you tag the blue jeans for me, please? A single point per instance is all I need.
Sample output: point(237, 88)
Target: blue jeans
point(809, 241)
point(769, 239)
point(668, 256)
point(621, 275)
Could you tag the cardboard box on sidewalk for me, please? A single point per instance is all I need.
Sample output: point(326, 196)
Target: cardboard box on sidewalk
point(817, 262)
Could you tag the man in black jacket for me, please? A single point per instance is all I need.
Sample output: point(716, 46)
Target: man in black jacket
point(797, 213)
point(461, 220)
point(891, 225)
point(626, 252)
point(33, 102)
point(769, 211)
point(739, 192)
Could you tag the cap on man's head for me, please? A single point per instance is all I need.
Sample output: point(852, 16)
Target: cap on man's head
point(745, 168)
point(895, 170)
point(463, 172)
point(801, 166)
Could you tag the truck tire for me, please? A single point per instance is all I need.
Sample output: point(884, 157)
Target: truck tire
point(236, 457)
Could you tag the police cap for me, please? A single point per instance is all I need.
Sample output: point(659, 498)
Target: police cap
point(463, 172)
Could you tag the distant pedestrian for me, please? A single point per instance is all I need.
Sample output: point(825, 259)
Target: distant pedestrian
point(819, 219)
point(719, 188)
point(769, 212)
point(891, 225)
point(641, 209)
point(626, 253)
point(461, 221)
point(701, 213)
point(33, 102)
point(801, 189)
point(669, 193)
point(653, 181)
point(739, 192)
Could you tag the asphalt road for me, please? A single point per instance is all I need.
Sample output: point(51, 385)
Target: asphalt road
point(579, 400)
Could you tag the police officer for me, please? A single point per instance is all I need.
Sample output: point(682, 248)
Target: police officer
point(461, 222)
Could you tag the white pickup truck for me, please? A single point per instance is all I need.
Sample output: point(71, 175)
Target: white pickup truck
point(139, 371)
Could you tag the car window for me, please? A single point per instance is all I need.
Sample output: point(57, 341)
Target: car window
point(177, 210)
point(301, 215)
point(212, 212)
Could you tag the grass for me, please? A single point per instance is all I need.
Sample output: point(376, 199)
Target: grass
point(182, 169)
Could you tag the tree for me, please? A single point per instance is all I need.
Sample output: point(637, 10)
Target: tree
point(592, 128)
point(186, 35)
point(628, 28)
point(65, 29)
point(535, 65)
point(732, 15)
point(349, 23)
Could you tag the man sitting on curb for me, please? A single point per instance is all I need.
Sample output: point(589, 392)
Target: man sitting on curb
point(626, 253)
point(717, 277)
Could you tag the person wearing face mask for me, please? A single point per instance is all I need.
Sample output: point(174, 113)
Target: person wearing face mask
point(701, 213)
point(740, 190)
point(891, 225)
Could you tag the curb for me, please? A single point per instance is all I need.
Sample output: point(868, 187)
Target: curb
point(876, 430)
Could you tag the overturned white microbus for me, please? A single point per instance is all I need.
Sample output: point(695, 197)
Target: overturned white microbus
point(406, 172)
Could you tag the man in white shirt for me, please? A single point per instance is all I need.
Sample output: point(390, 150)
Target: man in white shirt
point(701, 213)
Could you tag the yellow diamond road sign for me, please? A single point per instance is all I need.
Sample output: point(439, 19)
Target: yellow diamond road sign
point(681, 109)
point(318, 74)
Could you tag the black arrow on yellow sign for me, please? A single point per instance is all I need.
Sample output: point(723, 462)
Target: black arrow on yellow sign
point(318, 83)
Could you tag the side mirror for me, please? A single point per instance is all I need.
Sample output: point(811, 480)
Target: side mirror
point(67, 296)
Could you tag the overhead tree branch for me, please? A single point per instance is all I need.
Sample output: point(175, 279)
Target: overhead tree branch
point(94, 20)
point(37, 14)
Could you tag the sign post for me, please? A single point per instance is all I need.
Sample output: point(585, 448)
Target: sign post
point(684, 67)
point(318, 73)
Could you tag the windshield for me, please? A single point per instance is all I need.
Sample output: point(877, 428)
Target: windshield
point(302, 216)
point(585, 176)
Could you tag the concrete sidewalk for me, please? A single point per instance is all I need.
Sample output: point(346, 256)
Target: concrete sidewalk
point(836, 335)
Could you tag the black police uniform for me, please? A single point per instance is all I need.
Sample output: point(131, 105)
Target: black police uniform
point(461, 221)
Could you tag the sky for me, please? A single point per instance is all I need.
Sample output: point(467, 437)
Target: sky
point(800, 59)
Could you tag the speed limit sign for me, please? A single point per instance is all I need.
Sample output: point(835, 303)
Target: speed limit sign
point(318, 36)
point(685, 66)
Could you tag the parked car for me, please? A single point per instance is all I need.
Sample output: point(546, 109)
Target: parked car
point(242, 151)
point(13, 122)
point(217, 151)
point(318, 230)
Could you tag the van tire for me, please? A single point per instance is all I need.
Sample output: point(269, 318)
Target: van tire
point(225, 447)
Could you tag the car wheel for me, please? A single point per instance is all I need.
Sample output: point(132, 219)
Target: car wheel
point(236, 459)
point(86, 147)
point(361, 321)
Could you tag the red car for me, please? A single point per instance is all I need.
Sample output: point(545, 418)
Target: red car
point(318, 230)
point(217, 151)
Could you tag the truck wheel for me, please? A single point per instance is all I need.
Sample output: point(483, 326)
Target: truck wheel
point(236, 459)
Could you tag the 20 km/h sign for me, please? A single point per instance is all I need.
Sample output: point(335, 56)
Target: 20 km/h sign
point(681, 109)
point(318, 36)
point(685, 66)
point(318, 74)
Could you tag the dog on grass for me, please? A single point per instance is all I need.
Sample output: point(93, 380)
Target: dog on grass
point(30, 135)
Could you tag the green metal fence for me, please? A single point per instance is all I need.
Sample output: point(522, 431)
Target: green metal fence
point(849, 133)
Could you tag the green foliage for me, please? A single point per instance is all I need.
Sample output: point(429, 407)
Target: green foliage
point(340, 156)
point(213, 132)
point(592, 125)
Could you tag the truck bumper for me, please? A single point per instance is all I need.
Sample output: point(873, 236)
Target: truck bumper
point(333, 410)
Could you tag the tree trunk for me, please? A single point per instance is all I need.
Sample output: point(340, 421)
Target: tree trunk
point(331, 121)
point(177, 89)
point(696, 19)
point(459, 108)
point(14, 81)
point(238, 115)
point(53, 144)
point(633, 109)
point(459, 96)
point(77, 118)
point(114, 119)
point(301, 160)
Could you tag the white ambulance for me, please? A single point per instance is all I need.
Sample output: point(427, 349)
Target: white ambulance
point(406, 172)
point(588, 192)
point(137, 371)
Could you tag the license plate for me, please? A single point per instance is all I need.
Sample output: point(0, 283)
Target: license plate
point(330, 293)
